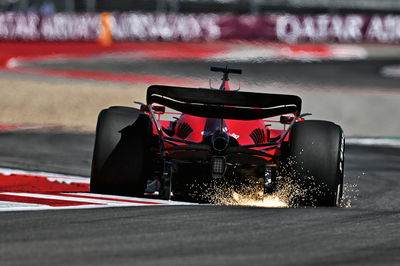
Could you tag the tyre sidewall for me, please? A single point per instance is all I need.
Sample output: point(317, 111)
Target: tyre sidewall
point(317, 158)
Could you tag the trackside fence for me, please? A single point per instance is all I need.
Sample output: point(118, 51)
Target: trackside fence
point(134, 26)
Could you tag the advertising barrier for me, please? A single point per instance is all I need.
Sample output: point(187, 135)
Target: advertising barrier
point(200, 27)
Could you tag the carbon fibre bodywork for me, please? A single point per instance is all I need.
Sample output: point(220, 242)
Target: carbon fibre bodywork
point(217, 133)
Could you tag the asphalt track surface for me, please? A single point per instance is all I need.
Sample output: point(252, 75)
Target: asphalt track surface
point(356, 74)
point(367, 233)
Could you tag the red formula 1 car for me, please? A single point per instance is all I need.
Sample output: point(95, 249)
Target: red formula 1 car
point(217, 136)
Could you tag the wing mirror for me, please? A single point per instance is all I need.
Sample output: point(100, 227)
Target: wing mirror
point(158, 109)
point(286, 120)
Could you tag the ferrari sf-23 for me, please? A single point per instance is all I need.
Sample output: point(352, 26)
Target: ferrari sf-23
point(183, 140)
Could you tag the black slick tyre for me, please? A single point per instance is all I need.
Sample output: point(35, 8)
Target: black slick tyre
point(315, 163)
point(121, 158)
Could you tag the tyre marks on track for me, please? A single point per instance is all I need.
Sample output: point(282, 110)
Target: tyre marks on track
point(25, 190)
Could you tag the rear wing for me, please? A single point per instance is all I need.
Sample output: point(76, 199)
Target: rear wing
point(223, 104)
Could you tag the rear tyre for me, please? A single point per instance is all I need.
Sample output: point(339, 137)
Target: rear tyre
point(315, 163)
point(121, 158)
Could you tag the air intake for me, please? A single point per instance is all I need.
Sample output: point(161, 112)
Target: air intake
point(183, 130)
point(258, 136)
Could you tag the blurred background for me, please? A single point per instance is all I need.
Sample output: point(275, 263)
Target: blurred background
point(61, 61)
point(205, 6)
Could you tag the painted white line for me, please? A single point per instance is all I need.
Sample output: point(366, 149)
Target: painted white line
point(392, 71)
point(45, 207)
point(107, 201)
point(257, 53)
point(111, 197)
point(374, 142)
point(10, 204)
point(65, 197)
point(348, 52)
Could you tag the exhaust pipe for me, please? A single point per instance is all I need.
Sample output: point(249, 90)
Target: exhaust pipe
point(220, 141)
